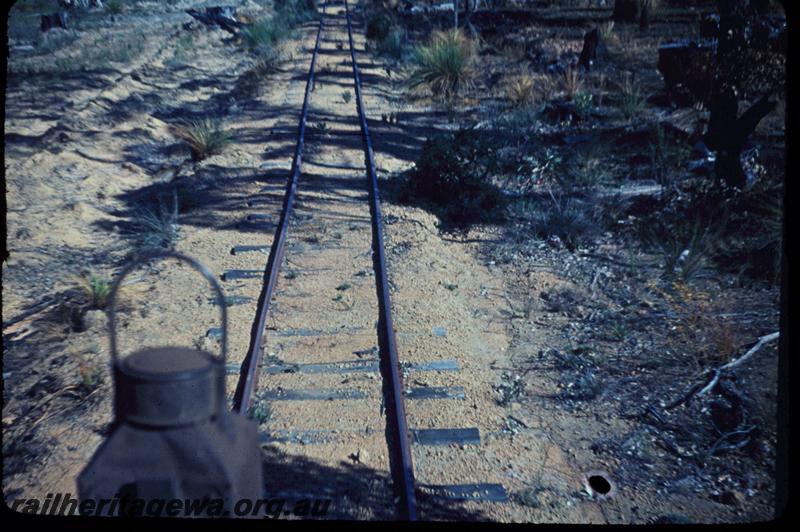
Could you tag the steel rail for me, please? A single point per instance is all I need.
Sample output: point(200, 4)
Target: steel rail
point(248, 380)
point(402, 466)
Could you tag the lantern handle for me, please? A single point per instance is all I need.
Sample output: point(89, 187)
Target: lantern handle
point(197, 266)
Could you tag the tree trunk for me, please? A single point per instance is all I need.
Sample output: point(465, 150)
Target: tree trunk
point(626, 10)
point(727, 133)
point(644, 15)
point(594, 49)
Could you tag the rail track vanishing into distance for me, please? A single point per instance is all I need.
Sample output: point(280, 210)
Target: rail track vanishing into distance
point(339, 400)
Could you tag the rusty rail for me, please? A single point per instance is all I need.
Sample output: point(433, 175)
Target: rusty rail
point(402, 466)
point(397, 428)
point(248, 379)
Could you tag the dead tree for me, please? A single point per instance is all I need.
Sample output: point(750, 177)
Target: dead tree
point(626, 10)
point(594, 49)
point(56, 20)
point(634, 11)
point(727, 132)
point(646, 6)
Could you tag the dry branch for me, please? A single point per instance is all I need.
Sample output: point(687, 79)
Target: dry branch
point(699, 389)
point(735, 362)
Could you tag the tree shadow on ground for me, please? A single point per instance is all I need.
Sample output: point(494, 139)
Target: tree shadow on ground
point(356, 491)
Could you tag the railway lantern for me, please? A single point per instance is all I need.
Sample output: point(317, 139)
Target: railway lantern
point(173, 438)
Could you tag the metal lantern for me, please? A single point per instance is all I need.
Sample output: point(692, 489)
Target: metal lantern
point(173, 437)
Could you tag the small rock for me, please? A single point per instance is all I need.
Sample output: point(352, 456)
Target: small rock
point(733, 498)
point(209, 344)
point(94, 320)
point(361, 456)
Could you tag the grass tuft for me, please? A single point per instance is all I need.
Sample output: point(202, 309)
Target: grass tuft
point(570, 220)
point(571, 82)
point(521, 91)
point(260, 411)
point(96, 288)
point(158, 230)
point(685, 243)
point(446, 65)
point(204, 137)
point(631, 101)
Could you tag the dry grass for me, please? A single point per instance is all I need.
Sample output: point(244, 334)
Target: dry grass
point(204, 137)
point(97, 290)
point(571, 82)
point(606, 30)
point(698, 323)
point(521, 91)
point(91, 374)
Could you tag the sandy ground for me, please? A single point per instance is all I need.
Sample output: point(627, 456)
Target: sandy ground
point(75, 182)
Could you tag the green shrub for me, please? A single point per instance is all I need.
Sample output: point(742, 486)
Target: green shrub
point(262, 37)
point(569, 219)
point(96, 289)
point(452, 172)
point(585, 169)
point(263, 34)
point(445, 64)
point(668, 155)
point(378, 27)
point(392, 45)
point(260, 411)
point(631, 102)
point(91, 375)
point(754, 234)
point(294, 12)
point(583, 105)
point(685, 240)
point(114, 6)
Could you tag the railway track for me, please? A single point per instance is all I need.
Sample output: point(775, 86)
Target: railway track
point(322, 369)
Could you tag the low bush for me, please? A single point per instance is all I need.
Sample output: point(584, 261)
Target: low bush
point(668, 156)
point(584, 169)
point(379, 27)
point(569, 220)
point(452, 172)
point(685, 237)
point(393, 45)
point(262, 36)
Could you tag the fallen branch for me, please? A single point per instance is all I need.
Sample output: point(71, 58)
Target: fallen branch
point(700, 389)
point(764, 340)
